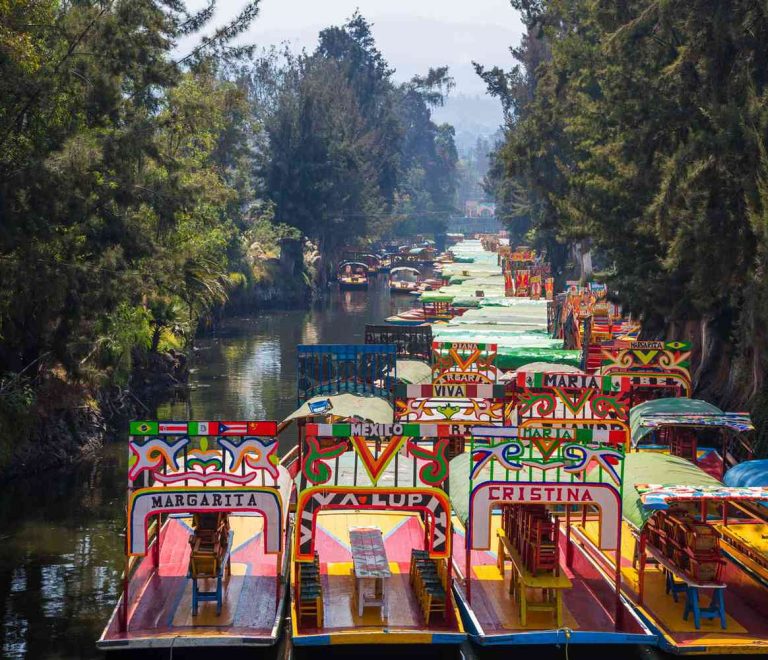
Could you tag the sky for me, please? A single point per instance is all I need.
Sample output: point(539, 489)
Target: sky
point(412, 34)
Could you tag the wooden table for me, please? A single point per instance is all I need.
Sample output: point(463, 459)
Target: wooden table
point(715, 609)
point(522, 579)
point(369, 558)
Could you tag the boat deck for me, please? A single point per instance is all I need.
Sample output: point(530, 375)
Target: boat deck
point(160, 601)
point(342, 624)
point(588, 606)
point(745, 598)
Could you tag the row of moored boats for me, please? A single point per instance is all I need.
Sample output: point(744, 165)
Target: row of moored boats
point(503, 463)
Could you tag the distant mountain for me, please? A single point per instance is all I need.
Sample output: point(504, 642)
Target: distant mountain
point(472, 117)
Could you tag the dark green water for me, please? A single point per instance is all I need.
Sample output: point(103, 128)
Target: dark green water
point(61, 535)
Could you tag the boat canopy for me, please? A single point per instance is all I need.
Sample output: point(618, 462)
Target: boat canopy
point(413, 372)
point(653, 480)
point(344, 264)
point(404, 268)
point(680, 411)
point(748, 474)
point(550, 367)
point(459, 485)
point(369, 408)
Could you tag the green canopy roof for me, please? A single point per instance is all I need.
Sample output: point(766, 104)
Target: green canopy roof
point(648, 416)
point(648, 467)
point(459, 485)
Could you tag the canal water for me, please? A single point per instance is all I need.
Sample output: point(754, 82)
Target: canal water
point(61, 534)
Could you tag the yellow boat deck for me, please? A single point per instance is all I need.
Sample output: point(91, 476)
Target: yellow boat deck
point(341, 622)
point(746, 625)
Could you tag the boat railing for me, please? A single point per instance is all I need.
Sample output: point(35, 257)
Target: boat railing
point(346, 368)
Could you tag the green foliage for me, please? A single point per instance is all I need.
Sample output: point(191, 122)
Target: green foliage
point(120, 179)
point(134, 181)
point(641, 126)
point(352, 155)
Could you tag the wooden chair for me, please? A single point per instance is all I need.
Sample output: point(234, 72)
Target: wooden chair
point(543, 553)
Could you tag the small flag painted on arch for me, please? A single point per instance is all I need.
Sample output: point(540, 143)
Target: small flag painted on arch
point(173, 428)
point(203, 428)
point(262, 428)
point(143, 428)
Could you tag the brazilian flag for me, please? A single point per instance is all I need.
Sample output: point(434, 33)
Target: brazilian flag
point(144, 428)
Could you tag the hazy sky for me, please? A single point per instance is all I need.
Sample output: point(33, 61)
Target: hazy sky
point(412, 34)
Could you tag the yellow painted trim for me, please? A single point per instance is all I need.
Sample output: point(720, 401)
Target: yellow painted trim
point(369, 637)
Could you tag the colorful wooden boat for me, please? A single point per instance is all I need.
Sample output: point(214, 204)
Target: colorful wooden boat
point(430, 312)
point(207, 541)
point(353, 275)
point(368, 369)
point(371, 555)
point(520, 578)
point(693, 429)
point(404, 279)
point(686, 541)
point(414, 343)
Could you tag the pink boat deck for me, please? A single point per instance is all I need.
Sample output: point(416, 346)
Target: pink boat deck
point(160, 600)
point(342, 624)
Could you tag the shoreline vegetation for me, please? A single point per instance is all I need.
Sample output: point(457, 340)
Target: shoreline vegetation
point(144, 193)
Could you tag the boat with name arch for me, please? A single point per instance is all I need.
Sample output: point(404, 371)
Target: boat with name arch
point(207, 537)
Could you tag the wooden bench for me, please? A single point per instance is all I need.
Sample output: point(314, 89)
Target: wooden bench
point(522, 579)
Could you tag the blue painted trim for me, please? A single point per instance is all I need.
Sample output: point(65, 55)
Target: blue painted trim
point(448, 638)
point(551, 637)
point(312, 640)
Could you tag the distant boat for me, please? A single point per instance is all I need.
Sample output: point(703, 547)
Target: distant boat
point(404, 279)
point(353, 275)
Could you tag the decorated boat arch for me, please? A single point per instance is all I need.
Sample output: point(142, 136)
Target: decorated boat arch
point(381, 488)
point(518, 494)
point(206, 536)
point(655, 368)
point(464, 362)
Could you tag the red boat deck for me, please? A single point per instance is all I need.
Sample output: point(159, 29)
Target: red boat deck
point(160, 606)
point(342, 624)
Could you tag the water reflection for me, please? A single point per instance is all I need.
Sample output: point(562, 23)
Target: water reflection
point(62, 534)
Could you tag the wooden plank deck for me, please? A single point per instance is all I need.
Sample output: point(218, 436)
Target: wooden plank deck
point(160, 610)
point(745, 598)
point(587, 605)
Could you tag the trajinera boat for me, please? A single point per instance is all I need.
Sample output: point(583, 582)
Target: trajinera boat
point(207, 537)
point(404, 279)
point(353, 275)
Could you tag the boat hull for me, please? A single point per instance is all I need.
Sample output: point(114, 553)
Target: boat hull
point(353, 285)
